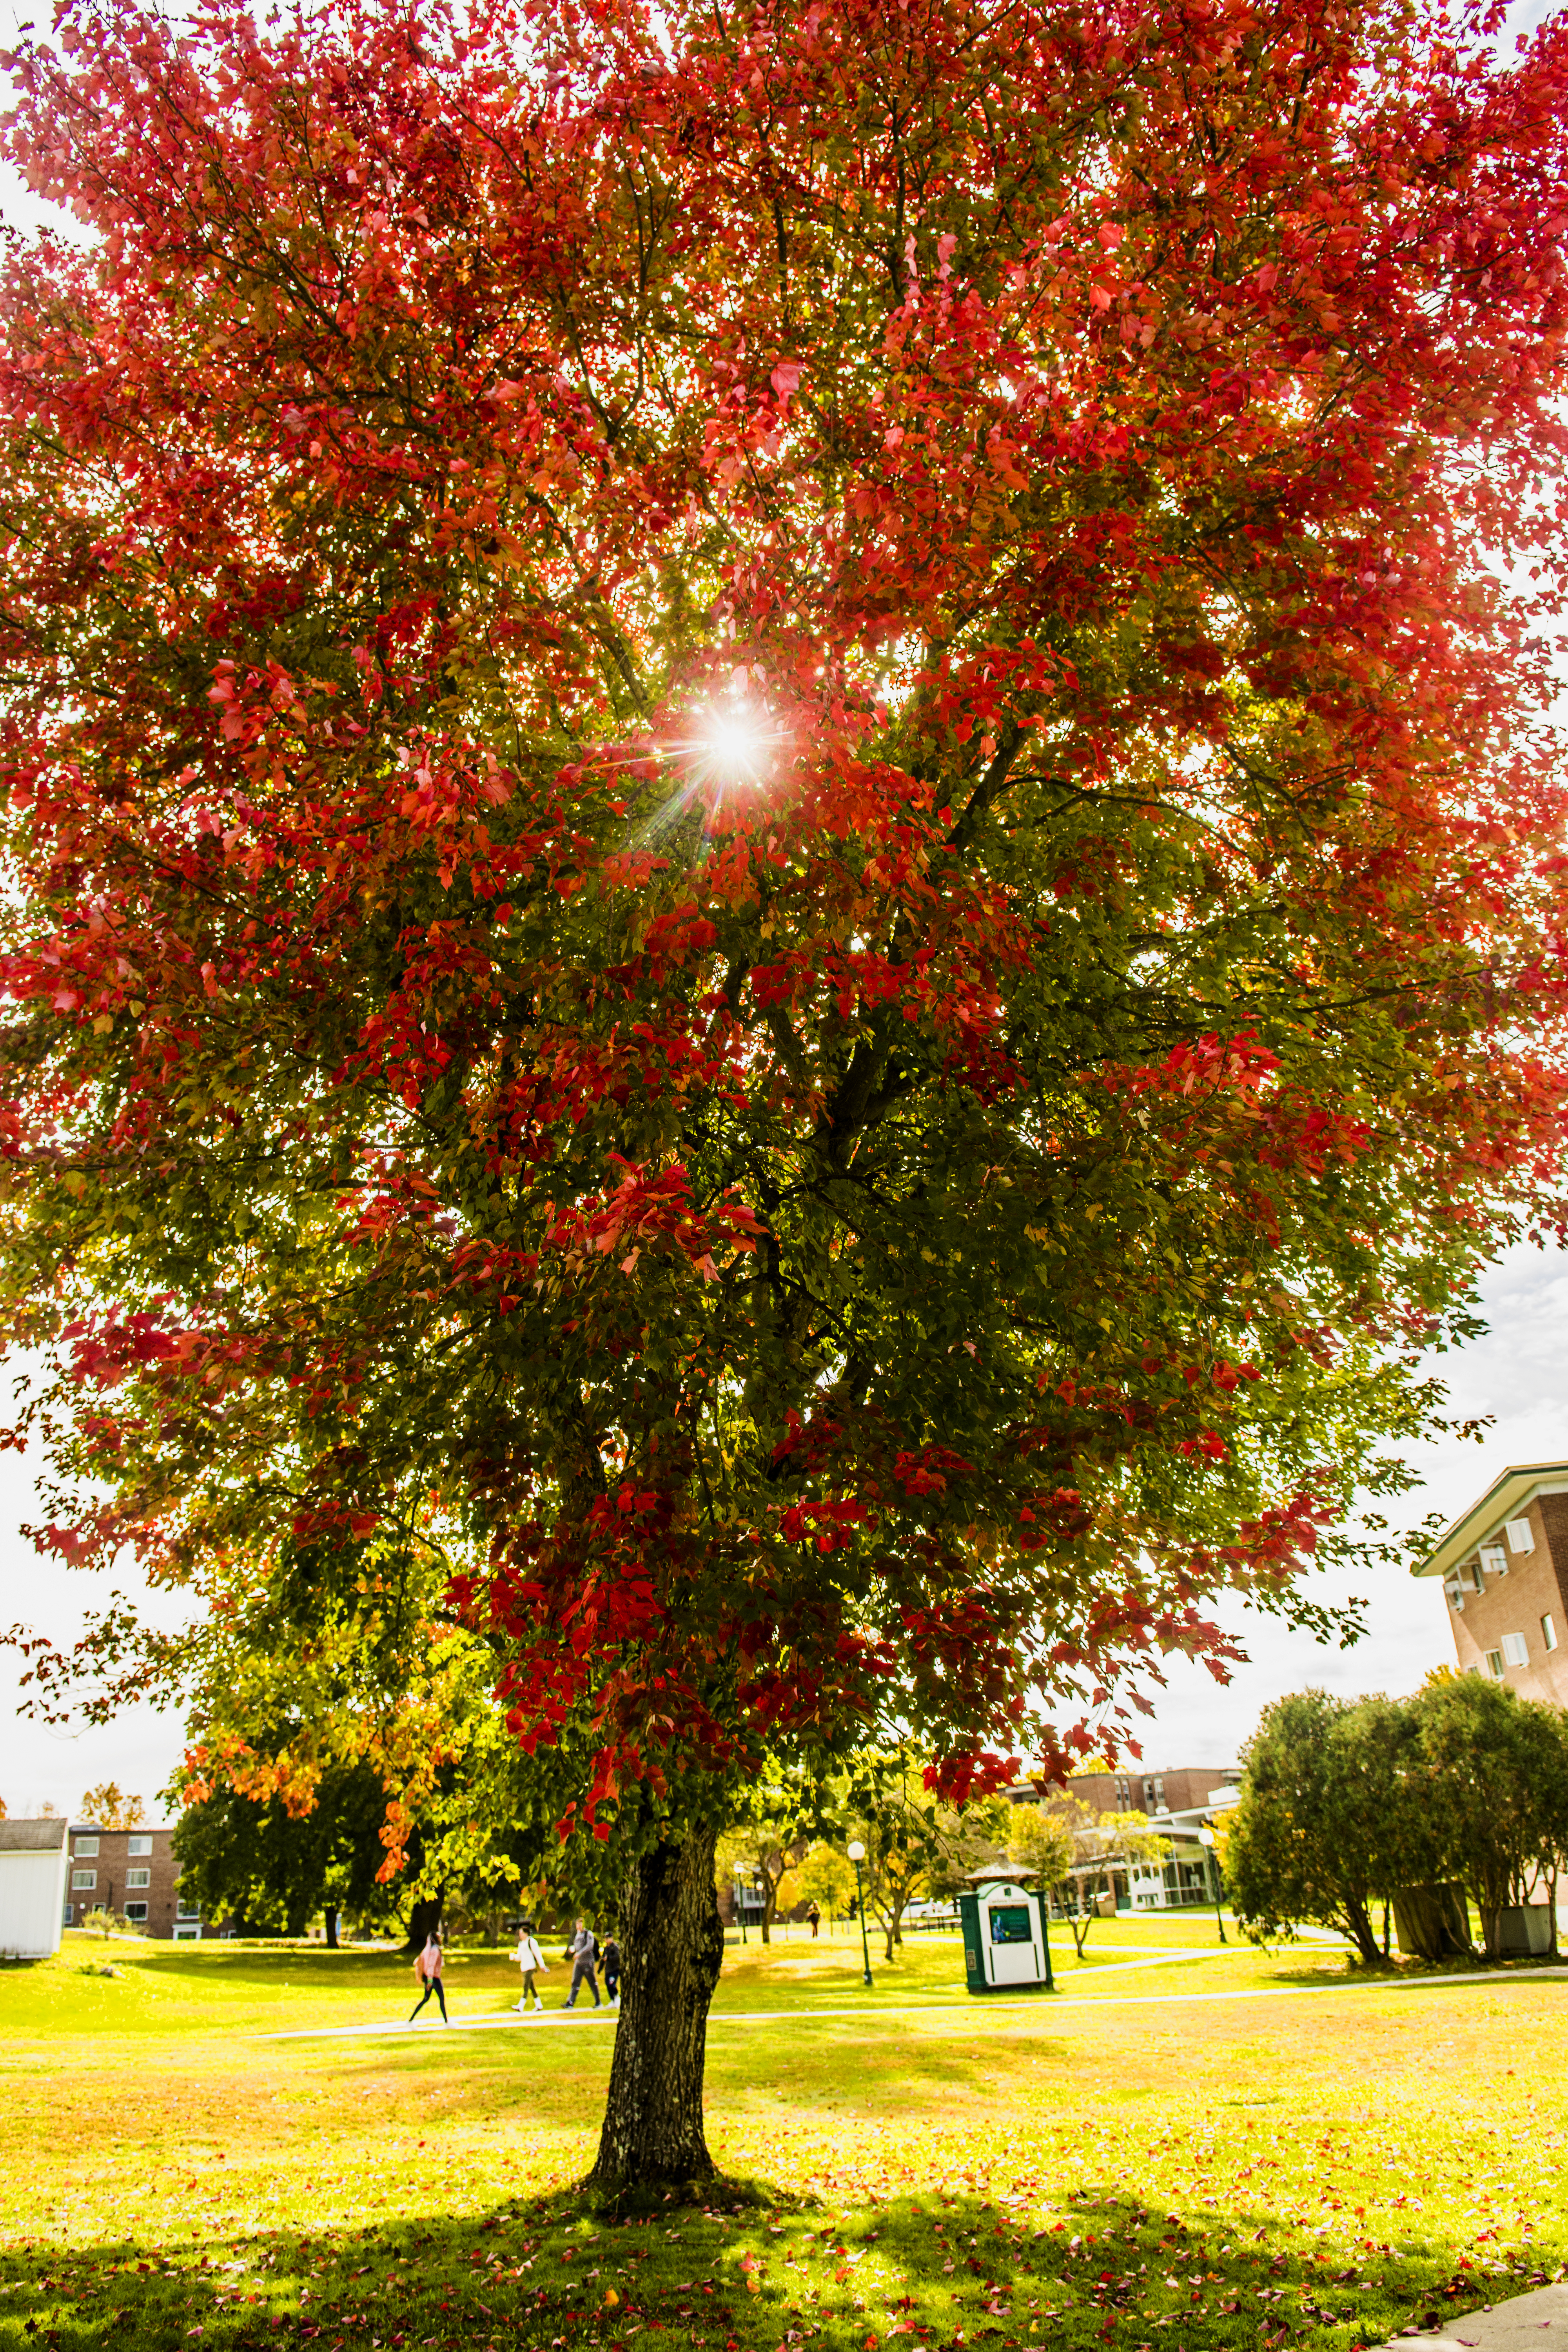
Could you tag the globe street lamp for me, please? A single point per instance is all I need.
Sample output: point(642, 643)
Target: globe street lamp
point(857, 1854)
point(1209, 1842)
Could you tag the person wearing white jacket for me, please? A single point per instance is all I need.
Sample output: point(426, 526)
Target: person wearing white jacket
point(530, 1958)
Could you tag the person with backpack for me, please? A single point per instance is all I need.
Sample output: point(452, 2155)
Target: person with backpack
point(427, 1971)
point(584, 1952)
point(613, 1973)
point(532, 1961)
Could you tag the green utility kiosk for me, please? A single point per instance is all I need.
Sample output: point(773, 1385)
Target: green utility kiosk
point(1005, 1948)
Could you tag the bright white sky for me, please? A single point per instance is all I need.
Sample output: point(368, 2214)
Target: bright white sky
point(1517, 1375)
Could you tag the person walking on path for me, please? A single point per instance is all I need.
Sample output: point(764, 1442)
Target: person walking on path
point(532, 1961)
point(613, 1973)
point(584, 1952)
point(814, 1916)
point(427, 1968)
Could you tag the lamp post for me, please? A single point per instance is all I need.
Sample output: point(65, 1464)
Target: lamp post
point(1208, 1841)
point(857, 1854)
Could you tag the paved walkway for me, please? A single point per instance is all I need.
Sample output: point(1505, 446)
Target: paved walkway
point(1525, 2323)
point(1028, 2014)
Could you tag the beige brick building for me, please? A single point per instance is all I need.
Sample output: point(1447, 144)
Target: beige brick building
point(1504, 1567)
point(131, 1873)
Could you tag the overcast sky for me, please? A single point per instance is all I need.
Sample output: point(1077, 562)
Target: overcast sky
point(1517, 1375)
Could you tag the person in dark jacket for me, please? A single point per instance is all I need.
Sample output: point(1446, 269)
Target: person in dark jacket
point(613, 1973)
point(584, 1952)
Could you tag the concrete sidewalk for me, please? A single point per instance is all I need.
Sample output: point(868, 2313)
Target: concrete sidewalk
point(1031, 2014)
point(1525, 2323)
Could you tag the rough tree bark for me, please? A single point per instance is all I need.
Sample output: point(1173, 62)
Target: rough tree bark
point(672, 1943)
point(329, 1919)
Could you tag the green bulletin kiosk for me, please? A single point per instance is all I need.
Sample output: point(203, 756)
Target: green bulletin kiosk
point(1005, 1948)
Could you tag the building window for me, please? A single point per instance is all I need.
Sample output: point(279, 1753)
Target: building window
point(84, 1878)
point(69, 1913)
point(1516, 1649)
point(1494, 1560)
point(137, 1914)
point(1548, 1634)
point(1521, 1537)
point(183, 1910)
point(138, 1878)
point(87, 1845)
point(1494, 1664)
point(141, 1842)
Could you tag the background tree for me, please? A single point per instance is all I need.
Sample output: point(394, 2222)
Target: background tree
point(776, 859)
point(1335, 1812)
point(108, 1806)
point(826, 1877)
point(1495, 1792)
point(272, 1871)
point(1101, 1846)
point(915, 1845)
point(1040, 1839)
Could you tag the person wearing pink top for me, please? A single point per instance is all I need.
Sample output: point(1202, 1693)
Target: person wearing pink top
point(427, 1968)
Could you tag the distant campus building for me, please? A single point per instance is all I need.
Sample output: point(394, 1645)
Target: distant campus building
point(131, 1873)
point(1504, 1566)
point(1178, 1803)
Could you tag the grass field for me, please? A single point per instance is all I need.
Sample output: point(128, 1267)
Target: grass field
point(197, 2157)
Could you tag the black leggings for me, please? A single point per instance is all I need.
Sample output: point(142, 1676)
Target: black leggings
point(434, 1986)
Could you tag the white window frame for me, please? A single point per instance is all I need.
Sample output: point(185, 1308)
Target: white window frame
point(86, 1848)
point(1515, 1650)
point(141, 1842)
point(137, 1914)
point(1494, 1664)
point(70, 1913)
point(138, 1878)
point(1493, 1562)
point(1548, 1633)
point(183, 1910)
point(84, 1882)
point(1520, 1535)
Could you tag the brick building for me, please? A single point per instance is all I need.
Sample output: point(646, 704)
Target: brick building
point(1178, 1802)
point(131, 1873)
point(1504, 1566)
point(1186, 1790)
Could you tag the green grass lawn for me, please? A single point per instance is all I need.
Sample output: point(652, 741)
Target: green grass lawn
point(1124, 2164)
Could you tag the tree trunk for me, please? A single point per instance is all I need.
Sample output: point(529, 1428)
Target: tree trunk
point(329, 1920)
point(672, 1944)
point(1360, 1924)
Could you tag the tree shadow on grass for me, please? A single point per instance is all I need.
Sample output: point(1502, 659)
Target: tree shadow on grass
point(744, 2267)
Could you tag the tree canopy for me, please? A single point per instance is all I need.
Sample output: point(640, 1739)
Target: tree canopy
point(1345, 1802)
point(779, 868)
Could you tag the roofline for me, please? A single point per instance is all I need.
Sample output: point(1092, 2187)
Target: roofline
point(1510, 1492)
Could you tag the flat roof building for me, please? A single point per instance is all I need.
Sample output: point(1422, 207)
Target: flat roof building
point(1504, 1567)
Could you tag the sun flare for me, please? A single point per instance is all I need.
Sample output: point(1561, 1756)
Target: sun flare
point(738, 744)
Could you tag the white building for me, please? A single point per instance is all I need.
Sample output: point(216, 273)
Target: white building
point(33, 1866)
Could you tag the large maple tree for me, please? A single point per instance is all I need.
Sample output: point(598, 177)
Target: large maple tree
point(780, 864)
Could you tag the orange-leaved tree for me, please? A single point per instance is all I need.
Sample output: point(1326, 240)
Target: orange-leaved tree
point(781, 868)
